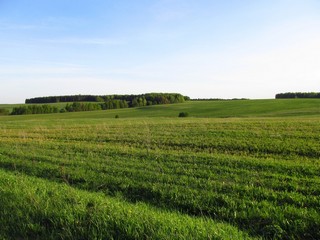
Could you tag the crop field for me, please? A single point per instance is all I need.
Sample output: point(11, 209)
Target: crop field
point(86, 177)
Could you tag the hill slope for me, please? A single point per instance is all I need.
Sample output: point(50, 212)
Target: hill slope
point(219, 109)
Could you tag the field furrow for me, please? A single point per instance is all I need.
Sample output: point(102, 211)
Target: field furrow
point(262, 175)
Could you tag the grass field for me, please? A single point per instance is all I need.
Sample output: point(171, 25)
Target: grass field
point(225, 109)
point(233, 170)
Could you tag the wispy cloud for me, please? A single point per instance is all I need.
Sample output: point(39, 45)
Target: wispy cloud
point(85, 41)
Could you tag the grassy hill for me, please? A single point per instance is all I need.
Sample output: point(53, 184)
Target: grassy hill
point(215, 109)
point(232, 170)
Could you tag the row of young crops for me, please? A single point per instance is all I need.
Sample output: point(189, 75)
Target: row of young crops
point(243, 176)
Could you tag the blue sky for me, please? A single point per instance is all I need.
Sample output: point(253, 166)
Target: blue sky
point(200, 48)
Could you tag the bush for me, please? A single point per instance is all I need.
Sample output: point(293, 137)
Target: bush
point(116, 116)
point(183, 114)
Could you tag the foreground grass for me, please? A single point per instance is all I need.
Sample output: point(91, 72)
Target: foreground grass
point(259, 174)
point(36, 209)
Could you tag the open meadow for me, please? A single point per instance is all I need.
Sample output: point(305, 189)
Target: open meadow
point(246, 169)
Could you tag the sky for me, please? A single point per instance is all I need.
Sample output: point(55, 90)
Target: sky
point(199, 48)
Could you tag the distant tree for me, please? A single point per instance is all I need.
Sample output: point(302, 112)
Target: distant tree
point(78, 107)
point(99, 99)
point(298, 95)
point(132, 100)
point(34, 109)
point(135, 103)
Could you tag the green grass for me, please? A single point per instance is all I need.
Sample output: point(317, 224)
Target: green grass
point(217, 109)
point(181, 178)
point(243, 108)
point(32, 208)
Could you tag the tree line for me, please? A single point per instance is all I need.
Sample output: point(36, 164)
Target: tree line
point(94, 103)
point(132, 100)
point(83, 106)
point(34, 109)
point(70, 107)
point(298, 95)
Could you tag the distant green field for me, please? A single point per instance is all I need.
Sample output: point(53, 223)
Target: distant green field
point(11, 106)
point(232, 170)
point(219, 109)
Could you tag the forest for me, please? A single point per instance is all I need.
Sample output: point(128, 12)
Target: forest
point(94, 103)
point(298, 95)
point(132, 100)
point(34, 109)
